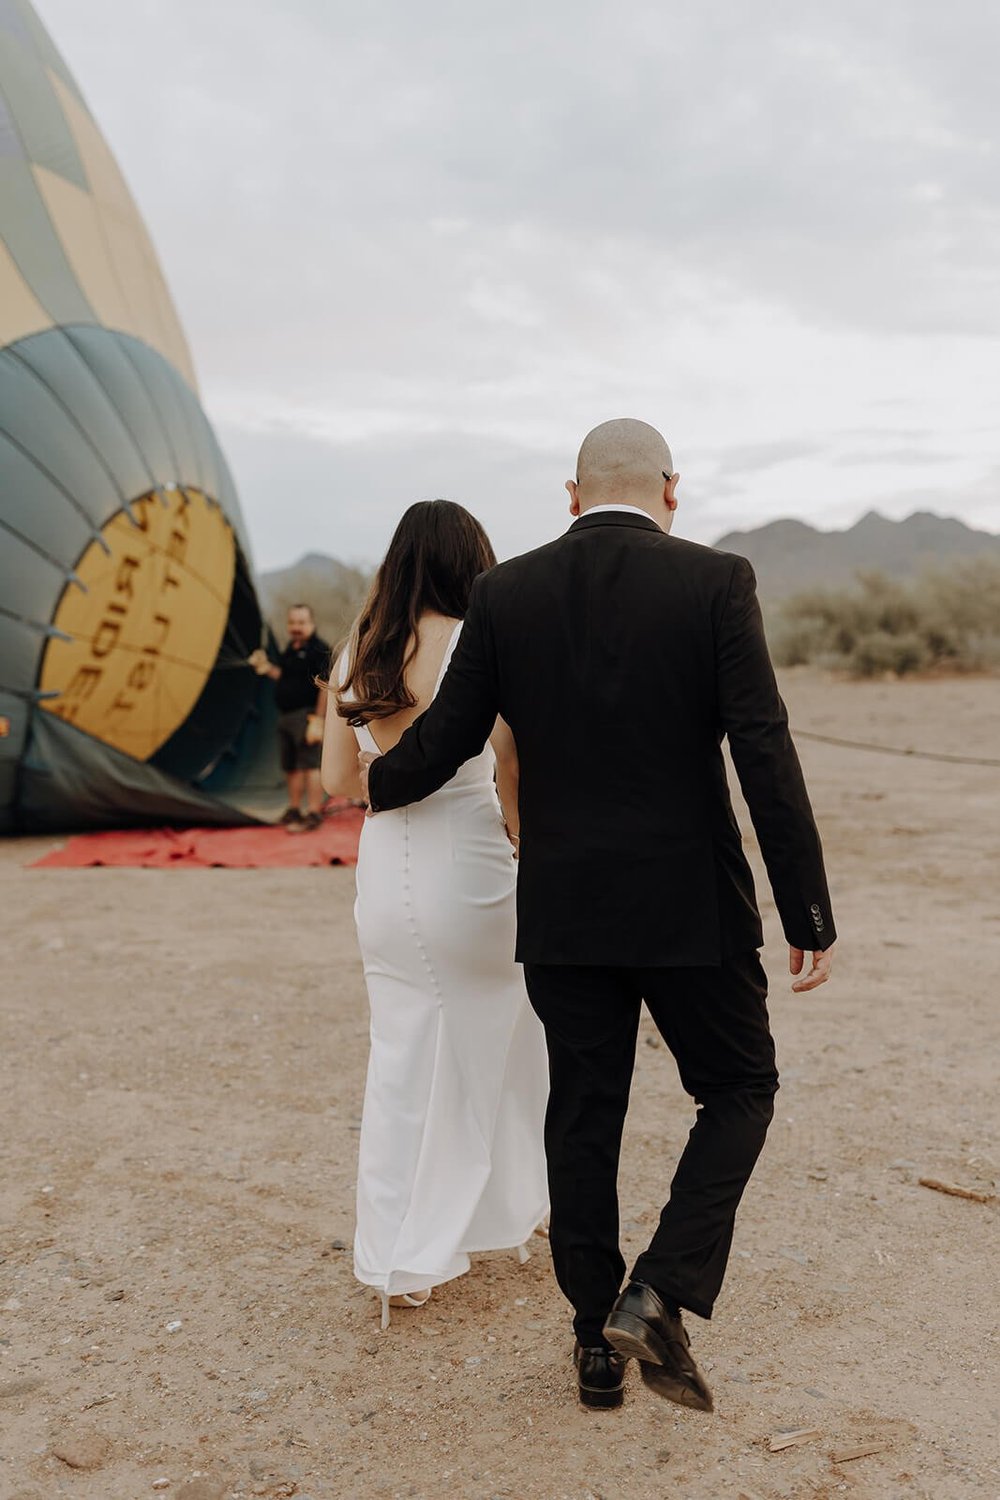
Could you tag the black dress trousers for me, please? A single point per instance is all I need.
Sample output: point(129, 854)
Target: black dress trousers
point(714, 1020)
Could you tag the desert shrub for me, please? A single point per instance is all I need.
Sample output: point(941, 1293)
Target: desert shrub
point(945, 620)
point(880, 651)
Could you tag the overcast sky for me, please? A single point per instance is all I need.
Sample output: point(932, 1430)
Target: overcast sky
point(420, 248)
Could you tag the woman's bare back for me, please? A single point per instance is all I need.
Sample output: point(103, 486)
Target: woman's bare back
point(422, 673)
point(340, 760)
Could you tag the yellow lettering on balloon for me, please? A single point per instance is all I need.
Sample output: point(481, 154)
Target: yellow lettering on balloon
point(146, 628)
point(103, 640)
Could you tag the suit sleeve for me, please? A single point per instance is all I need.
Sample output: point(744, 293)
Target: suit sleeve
point(454, 728)
point(756, 722)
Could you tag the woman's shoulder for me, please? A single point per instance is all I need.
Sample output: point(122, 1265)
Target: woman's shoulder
point(434, 632)
point(436, 635)
point(441, 624)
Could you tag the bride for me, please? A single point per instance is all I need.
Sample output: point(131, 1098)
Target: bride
point(451, 1157)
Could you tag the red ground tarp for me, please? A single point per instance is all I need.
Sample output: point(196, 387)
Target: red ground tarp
point(334, 843)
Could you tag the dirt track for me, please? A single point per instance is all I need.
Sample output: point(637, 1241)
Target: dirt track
point(181, 1064)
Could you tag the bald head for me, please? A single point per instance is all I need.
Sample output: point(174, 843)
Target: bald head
point(625, 462)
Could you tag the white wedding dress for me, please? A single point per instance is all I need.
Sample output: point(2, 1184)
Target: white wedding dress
point(451, 1157)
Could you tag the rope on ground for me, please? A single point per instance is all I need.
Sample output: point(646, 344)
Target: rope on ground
point(955, 760)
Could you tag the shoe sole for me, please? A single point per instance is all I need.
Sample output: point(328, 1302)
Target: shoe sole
point(671, 1388)
point(633, 1338)
point(603, 1400)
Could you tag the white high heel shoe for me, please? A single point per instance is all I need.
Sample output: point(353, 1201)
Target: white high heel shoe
point(524, 1251)
point(401, 1299)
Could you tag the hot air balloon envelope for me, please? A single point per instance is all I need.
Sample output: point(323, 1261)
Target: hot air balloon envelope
point(127, 600)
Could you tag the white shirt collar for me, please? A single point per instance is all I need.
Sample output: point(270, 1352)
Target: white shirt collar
point(634, 510)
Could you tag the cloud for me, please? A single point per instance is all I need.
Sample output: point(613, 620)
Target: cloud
point(894, 457)
point(752, 458)
point(468, 233)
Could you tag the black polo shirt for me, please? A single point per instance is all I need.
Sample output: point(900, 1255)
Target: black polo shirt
point(300, 666)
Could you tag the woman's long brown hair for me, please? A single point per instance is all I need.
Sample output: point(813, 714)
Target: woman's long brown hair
point(436, 554)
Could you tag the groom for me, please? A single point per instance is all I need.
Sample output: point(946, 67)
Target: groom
point(621, 657)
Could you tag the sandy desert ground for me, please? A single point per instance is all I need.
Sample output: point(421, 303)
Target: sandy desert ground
point(181, 1065)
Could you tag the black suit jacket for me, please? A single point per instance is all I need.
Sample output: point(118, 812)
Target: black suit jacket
point(620, 657)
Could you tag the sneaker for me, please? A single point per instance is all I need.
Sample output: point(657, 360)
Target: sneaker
point(308, 824)
point(289, 816)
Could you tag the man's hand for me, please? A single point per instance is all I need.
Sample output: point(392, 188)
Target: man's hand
point(365, 758)
point(262, 665)
point(822, 964)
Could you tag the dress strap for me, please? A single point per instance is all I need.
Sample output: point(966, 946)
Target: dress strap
point(449, 653)
point(363, 735)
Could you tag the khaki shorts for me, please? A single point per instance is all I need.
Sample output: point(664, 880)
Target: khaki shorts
point(296, 755)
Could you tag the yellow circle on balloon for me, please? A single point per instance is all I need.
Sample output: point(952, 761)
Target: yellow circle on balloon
point(145, 628)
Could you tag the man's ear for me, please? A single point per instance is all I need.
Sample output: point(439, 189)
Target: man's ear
point(669, 497)
point(573, 491)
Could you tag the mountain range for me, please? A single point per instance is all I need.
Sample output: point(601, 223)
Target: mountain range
point(334, 590)
point(791, 555)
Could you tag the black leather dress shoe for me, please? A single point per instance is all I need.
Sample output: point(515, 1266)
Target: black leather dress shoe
point(601, 1374)
point(641, 1326)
